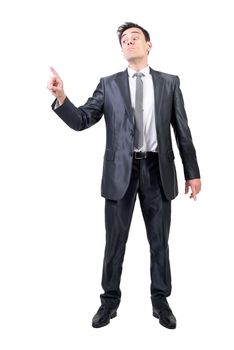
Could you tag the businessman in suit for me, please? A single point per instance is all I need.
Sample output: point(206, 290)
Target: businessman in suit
point(139, 105)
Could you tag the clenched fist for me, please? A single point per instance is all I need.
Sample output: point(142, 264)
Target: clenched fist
point(55, 85)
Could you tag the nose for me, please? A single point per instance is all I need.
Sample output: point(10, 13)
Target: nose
point(130, 43)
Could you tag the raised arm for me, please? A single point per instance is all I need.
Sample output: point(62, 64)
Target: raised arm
point(78, 118)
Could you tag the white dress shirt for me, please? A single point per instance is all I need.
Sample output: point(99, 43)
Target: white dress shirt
point(149, 127)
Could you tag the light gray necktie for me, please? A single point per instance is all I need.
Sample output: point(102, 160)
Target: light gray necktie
point(138, 140)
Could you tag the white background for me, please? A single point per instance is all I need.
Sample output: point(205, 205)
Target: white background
point(52, 214)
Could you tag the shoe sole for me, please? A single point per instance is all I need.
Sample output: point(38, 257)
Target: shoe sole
point(106, 323)
point(163, 324)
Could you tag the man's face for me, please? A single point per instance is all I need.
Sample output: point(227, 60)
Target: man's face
point(134, 45)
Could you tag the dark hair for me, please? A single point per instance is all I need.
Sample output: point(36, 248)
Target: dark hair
point(128, 25)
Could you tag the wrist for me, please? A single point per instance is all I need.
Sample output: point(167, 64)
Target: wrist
point(61, 99)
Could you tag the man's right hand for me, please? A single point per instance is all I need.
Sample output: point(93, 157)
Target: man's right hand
point(55, 85)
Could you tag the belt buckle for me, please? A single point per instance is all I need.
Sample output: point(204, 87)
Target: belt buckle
point(142, 155)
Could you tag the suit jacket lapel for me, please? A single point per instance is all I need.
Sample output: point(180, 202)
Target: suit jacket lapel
point(123, 84)
point(158, 93)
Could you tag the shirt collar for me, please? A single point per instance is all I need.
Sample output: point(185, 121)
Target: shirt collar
point(145, 71)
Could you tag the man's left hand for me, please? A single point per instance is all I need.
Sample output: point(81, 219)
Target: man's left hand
point(195, 186)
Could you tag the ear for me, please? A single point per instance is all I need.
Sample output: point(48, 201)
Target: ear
point(149, 46)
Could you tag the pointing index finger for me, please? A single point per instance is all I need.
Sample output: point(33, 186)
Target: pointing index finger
point(54, 72)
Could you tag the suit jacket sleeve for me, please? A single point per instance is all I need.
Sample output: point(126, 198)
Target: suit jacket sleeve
point(183, 135)
point(80, 118)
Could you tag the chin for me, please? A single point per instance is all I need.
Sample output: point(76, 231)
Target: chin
point(131, 57)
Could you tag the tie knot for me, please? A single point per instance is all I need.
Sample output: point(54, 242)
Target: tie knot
point(138, 75)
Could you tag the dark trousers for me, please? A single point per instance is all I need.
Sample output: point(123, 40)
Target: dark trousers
point(156, 210)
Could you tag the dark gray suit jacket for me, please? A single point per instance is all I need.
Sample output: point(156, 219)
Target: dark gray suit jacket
point(112, 99)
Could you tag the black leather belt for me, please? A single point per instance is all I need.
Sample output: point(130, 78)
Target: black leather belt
point(144, 155)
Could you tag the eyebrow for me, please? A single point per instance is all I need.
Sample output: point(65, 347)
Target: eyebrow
point(131, 33)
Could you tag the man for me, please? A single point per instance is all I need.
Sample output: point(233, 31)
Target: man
point(139, 106)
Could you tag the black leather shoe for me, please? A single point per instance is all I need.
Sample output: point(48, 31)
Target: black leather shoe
point(166, 317)
point(103, 316)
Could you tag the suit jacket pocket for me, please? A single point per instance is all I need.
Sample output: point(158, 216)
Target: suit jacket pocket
point(170, 155)
point(109, 154)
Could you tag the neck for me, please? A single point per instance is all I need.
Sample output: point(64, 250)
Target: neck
point(137, 65)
